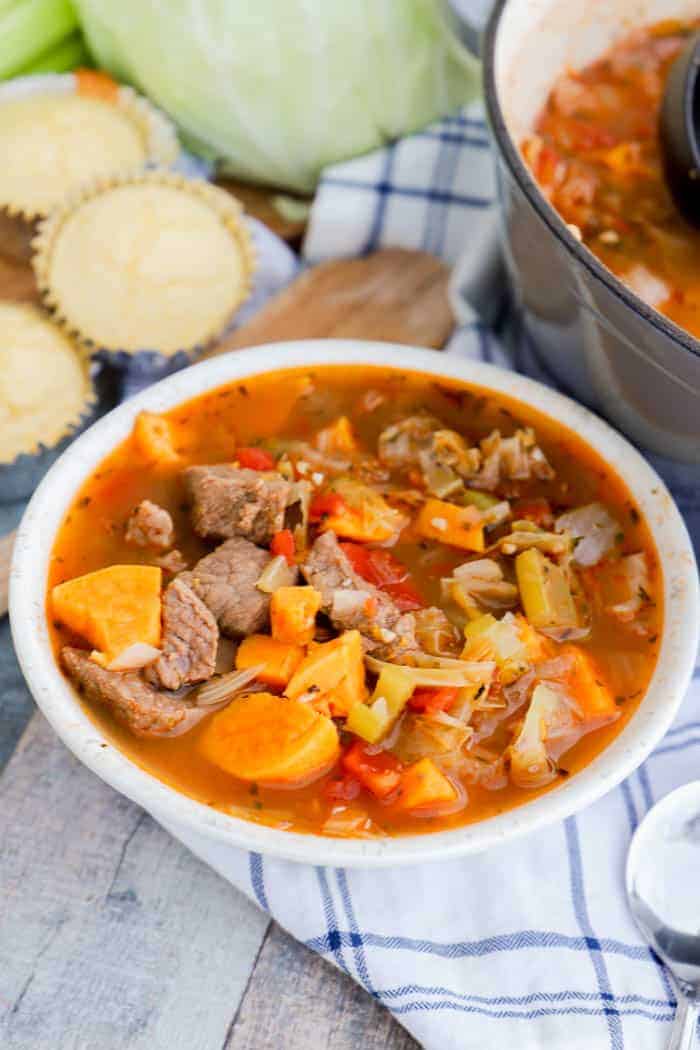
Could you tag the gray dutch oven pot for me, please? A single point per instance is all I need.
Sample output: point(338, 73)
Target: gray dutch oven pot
point(597, 338)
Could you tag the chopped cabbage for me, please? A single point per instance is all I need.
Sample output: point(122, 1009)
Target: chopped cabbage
point(530, 763)
point(593, 529)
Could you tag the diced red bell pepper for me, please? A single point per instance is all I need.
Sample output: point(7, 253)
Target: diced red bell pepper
point(546, 165)
point(255, 458)
point(326, 505)
point(283, 543)
point(380, 773)
point(380, 567)
point(427, 700)
point(343, 789)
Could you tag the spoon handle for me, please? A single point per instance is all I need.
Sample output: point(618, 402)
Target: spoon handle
point(685, 1024)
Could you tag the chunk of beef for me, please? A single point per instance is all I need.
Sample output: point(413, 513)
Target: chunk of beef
point(225, 581)
point(172, 562)
point(231, 501)
point(150, 526)
point(386, 630)
point(189, 641)
point(144, 710)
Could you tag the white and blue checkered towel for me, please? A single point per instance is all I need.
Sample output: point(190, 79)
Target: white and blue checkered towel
point(529, 945)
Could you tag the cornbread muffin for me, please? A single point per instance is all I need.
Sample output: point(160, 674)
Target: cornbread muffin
point(153, 263)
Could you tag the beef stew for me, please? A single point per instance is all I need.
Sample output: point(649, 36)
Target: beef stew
point(386, 604)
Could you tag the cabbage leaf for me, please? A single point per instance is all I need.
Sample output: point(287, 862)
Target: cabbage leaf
point(277, 89)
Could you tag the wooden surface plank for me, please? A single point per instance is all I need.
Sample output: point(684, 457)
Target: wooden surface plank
point(266, 205)
point(112, 935)
point(394, 295)
point(296, 1001)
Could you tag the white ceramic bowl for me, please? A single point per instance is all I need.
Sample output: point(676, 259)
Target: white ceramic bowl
point(211, 832)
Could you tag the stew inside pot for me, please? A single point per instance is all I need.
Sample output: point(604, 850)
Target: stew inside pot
point(356, 601)
point(597, 158)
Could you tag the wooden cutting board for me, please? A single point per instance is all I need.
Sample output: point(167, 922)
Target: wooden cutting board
point(393, 295)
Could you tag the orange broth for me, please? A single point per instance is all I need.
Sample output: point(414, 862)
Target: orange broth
point(296, 403)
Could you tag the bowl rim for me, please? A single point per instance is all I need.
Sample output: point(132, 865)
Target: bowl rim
point(549, 215)
point(57, 700)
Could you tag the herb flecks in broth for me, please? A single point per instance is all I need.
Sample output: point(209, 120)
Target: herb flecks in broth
point(374, 603)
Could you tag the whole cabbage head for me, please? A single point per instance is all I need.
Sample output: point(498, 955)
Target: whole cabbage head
point(274, 90)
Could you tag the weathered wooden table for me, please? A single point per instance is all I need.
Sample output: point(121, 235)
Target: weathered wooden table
point(112, 936)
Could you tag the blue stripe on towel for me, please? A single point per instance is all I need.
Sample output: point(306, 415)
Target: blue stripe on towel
point(578, 894)
point(518, 941)
point(257, 880)
point(385, 188)
point(531, 1015)
point(355, 935)
point(519, 1000)
point(334, 940)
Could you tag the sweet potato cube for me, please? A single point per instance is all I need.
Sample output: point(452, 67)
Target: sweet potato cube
point(334, 670)
point(366, 517)
point(278, 660)
point(293, 614)
point(422, 784)
point(595, 698)
point(270, 740)
point(448, 523)
point(112, 608)
point(153, 438)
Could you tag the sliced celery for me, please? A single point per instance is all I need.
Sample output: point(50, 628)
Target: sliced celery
point(480, 500)
point(499, 639)
point(372, 721)
point(394, 685)
point(365, 722)
point(544, 591)
point(31, 28)
point(464, 600)
point(67, 55)
point(479, 627)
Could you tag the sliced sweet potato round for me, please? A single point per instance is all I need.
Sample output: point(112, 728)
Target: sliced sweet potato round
point(112, 608)
point(271, 740)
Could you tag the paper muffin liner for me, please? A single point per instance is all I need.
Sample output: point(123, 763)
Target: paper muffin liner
point(148, 363)
point(157, 131)
point(21, 475)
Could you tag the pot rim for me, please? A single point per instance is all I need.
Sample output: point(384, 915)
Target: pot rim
point(550, 216)
point(56, 698)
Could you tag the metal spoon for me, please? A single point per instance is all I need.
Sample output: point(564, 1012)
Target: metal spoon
point(679, 131)
point(663, 888)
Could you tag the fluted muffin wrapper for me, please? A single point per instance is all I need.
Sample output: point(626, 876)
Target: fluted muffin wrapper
point(21, 475)
point(157, 131)
point(147, 363)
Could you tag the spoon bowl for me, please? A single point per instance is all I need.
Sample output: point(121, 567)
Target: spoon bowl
point(663, 889)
